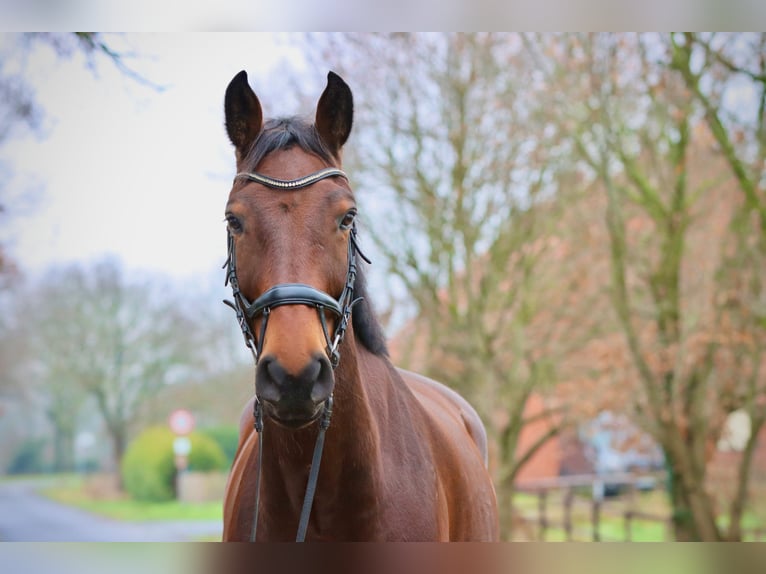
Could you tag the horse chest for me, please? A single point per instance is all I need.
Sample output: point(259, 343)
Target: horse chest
point(397, 514)
point(394, 506)
point(384, 505)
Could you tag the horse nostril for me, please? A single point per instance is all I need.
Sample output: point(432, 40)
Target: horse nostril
point(270, 379)
point(312, 371)
point(276, 372)
point(323, 379)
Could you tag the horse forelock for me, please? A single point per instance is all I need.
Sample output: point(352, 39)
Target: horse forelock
point(282, 134)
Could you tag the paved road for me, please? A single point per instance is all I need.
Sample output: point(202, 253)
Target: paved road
point(29, 517)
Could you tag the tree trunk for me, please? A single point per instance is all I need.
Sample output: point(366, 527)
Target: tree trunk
point(63, 437)
point(504, 487)
point(512, 523)
point(693, 515)
point(739, 500)
point(119, 442)
point(505, 511)
point(63, 449)
point(681, 517)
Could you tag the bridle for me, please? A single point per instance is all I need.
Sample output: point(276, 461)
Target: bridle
point(293, 294)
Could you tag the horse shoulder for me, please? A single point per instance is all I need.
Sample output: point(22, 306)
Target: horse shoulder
point(460, 447)
point(441, 396)
point(245, 448)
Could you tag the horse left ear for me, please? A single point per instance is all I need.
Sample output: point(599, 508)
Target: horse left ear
point(335, 113)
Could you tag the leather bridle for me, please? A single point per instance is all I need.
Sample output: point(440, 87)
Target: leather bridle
point(293, 294)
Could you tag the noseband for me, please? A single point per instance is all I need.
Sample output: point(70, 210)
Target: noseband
point(293, 294)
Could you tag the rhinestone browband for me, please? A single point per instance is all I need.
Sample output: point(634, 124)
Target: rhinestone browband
point(292, 183)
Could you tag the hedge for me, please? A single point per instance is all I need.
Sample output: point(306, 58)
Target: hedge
point(148, 467)
point(227, 438)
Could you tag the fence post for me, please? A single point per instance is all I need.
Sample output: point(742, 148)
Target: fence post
point(628, 514)
point(598, 496)
point(541, 512)
point(568, 501)
point(628, 524)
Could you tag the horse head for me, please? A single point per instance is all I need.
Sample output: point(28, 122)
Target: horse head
point(290, 218)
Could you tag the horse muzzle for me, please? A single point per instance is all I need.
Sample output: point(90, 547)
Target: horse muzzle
point(294, 400)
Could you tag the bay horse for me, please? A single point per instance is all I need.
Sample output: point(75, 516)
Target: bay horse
point(405, 457)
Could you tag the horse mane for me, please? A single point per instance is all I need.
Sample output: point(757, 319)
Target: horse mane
point(367, 328)
point(284, 133)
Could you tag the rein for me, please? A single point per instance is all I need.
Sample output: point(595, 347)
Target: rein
point(293, 294)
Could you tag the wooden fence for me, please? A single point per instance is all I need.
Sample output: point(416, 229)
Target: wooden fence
point(594, 490)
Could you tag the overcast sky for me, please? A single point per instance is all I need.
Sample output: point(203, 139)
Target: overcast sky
point(120, 168)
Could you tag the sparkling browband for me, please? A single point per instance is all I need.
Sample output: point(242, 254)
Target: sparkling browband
point(292, 183)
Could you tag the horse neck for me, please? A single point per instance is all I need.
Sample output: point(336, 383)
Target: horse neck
point(351, 441)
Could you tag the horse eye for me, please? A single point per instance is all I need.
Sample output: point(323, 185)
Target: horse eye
point(348, 219)
point(234, 223)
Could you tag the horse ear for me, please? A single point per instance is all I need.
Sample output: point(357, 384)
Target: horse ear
point(244, 117)
point(335, 113)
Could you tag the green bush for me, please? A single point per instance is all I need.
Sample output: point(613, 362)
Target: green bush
point(29, 458)
point(227, 438)
point(148, 467)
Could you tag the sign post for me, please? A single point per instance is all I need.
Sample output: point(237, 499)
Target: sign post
point(181, 423)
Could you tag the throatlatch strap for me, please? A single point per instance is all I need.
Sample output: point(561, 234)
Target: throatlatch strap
point(311, 486)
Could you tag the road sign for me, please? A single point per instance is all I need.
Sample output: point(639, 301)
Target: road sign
point(181, 446)
point(181, 422)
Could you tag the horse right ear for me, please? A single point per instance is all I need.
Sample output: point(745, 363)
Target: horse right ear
point(244, 117)
point(335, 113)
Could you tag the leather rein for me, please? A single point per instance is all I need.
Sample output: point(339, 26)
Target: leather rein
point(293, 294)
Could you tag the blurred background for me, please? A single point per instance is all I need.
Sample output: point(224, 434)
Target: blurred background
point(569, 229)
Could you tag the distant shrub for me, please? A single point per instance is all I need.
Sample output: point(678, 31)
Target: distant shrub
point(29, 458)
point(148, 467)
point(227, 438)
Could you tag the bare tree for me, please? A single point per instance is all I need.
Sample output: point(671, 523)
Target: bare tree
point(94, 332)
point(692, 358)
point(43, 369)
point(715, 67)
point(456, 176)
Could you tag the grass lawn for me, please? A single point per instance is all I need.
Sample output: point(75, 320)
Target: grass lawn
point(70, 490)
point(610, 530)
point(611, 520)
